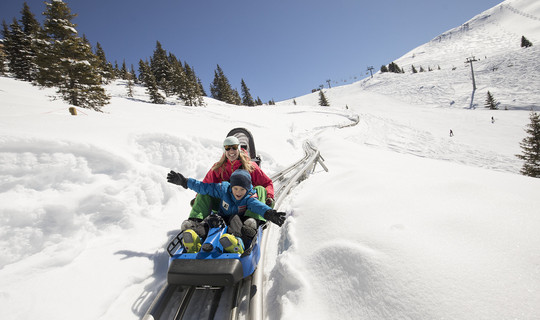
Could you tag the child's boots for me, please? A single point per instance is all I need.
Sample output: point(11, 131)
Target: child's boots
point(191, 241)
point(231, 244)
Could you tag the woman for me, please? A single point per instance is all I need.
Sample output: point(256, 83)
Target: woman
point(234, 158)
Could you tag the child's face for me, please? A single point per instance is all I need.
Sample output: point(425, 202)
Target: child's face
point(238, 192)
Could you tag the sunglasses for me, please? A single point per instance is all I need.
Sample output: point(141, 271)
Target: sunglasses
point(235, 147)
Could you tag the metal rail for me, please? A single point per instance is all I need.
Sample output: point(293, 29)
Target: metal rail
point(245, 299)
point(299, 170)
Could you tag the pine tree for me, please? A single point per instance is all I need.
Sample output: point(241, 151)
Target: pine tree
point(220, 88)
point(29, 22)
point(214, 86)
point(3, 55)
point(384, 69)
point(67, 61)
point(85, 84)
point(184, 82)
point(393, 67)
point(525, 43)
point(124, 72)
point(140, 78)
point(15, 45)
point(414, 69)
point(57, 30)
point(247, 99)
point(31, 29)
point(6, 42)
point(194, 92)
point(133, 74)
point(116, 70)
point(20, 46)
point(149, 80)
point(178, 78)
point(531, 148)
point(130, 82)
point(105, 67)
point(491, 103)
point(237, 100)
point(161, 68)
point(322, 99)
point(2, 59)
point(201, 87)
point(130, 85)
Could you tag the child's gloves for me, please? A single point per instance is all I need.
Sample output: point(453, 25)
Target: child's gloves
point(214, 221)
point(274, 216)
point(177, 178)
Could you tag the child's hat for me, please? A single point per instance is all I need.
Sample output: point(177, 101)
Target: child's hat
point(241, 178)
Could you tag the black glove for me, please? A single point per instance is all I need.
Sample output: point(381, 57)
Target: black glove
point(274, 216)
point(177, 178)
point(214, 221)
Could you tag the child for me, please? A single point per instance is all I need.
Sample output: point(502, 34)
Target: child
point(236, 197)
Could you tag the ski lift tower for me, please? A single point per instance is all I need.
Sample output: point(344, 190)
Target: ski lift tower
point(370, 69)
point(471, 60)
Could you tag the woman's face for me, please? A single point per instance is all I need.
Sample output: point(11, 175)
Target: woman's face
point(232, 154)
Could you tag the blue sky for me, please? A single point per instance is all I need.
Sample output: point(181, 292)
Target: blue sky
point(281, 48)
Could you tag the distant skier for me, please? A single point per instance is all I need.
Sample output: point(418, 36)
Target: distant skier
point(492, 120)
point(451, 133)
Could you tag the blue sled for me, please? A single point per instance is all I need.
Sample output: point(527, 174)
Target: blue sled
point(213, 267)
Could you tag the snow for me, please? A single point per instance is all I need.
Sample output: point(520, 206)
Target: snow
point(408, 223)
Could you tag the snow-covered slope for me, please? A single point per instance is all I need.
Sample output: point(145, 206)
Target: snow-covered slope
point(511, 73)
point(408, 223)
point(502, 66)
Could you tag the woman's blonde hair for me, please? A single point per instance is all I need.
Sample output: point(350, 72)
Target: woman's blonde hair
point(242, 156)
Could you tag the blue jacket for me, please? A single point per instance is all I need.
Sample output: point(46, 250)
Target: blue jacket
point(229, 205)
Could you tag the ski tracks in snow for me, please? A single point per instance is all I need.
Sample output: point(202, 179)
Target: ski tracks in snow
point(388, 134)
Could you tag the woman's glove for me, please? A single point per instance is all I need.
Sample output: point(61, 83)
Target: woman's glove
point(177, 178)
point(276, 217)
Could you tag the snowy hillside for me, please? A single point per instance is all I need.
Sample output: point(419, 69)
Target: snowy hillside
point(408, 223)
point(493, 37)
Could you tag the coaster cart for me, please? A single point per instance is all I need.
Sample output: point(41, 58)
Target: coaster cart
point(211, 266)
